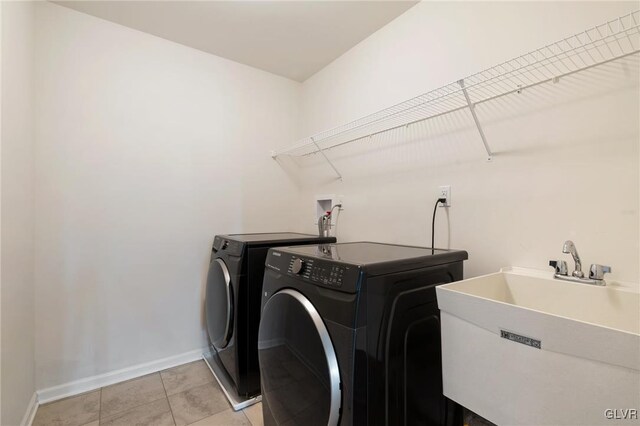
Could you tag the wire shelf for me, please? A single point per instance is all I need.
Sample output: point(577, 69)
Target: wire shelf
point(601, 44)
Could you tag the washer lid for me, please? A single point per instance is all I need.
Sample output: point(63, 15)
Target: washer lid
point(376, 258)
point(278, 238)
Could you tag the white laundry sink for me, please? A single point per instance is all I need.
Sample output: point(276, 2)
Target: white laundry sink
point(520, 347)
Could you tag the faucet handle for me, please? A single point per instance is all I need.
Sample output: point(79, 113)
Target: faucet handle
point(560, 266)
point(596, 272)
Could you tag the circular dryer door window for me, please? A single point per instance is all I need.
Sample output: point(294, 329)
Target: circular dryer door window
point(298, 365)
point(219, 304)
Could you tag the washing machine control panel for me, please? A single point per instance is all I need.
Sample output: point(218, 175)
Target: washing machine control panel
point(328, 274)
point(318, 272)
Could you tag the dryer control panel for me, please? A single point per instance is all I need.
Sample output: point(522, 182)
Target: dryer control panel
point(231, 247)
point(320, 272)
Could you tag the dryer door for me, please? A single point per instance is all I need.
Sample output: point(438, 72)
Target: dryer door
point(219, 304)
point(298, 365)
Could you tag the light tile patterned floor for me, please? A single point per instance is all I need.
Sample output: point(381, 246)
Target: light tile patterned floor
point(183, 395)
point(470, 419)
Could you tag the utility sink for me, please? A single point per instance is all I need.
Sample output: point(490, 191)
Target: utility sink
point(520, 347)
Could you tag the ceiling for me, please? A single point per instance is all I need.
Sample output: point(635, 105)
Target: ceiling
point(294, 39)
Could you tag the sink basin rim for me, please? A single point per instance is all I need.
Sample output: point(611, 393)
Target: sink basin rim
point(548, 276)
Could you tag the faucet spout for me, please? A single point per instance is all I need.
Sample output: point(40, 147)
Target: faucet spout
point(596, 272)
point(570, 248)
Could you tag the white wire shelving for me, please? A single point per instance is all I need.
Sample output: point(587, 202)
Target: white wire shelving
point(610, 41)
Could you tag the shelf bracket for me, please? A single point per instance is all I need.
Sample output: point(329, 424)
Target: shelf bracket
point(472, 108)
point(321, 151)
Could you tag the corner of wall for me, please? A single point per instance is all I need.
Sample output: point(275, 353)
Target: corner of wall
point(17, 364)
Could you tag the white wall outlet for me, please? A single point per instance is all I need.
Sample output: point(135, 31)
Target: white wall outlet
point(445, 192)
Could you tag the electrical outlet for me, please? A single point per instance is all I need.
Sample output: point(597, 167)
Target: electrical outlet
point(445, 192)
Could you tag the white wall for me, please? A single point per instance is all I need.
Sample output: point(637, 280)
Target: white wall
point(566, 163)
point(139, 142)
point(145, 149)
point(17, 293)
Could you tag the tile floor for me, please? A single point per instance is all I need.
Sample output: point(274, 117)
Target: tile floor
point(472, 419)
point(183, 395)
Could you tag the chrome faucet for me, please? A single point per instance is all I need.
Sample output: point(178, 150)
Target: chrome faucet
point(596, 272)
point(570, 248)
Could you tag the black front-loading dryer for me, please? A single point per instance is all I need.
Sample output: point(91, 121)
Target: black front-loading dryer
point(350, 335)
point(232, 308)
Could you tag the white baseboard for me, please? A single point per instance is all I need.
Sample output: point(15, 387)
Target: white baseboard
point(96, 382)
point(30, 414)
